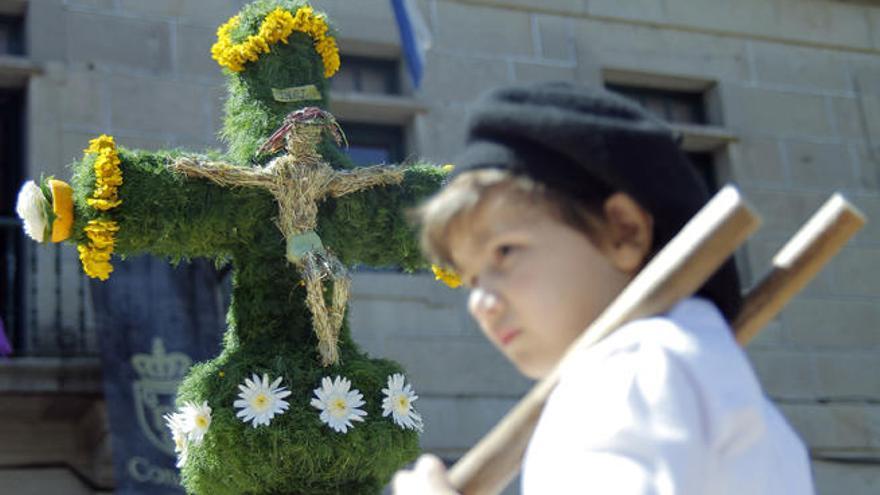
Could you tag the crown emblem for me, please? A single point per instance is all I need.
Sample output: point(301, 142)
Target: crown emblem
point(161, 365)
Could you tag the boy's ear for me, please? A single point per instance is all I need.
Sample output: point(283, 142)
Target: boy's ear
point(630, 232)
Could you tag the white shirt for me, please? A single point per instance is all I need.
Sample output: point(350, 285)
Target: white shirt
point(665, 405)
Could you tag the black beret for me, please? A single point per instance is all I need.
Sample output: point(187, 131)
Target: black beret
point(579, 140)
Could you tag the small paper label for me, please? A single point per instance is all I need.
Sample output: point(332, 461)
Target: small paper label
point(296, 94)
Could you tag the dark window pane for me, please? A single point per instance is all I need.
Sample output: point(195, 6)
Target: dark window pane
point(11, 35)
point(372, 144)
point(12, 264)
point(705, 165)
point(367, 75)
point(684, 107)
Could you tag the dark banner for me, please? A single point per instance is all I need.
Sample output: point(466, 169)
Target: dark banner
point(154, 321)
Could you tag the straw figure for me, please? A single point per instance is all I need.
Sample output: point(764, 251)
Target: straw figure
point(298, 181)
point(291, 404)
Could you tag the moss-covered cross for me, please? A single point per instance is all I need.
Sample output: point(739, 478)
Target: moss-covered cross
point(277, 55)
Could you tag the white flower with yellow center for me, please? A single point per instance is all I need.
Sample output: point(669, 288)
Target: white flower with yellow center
point(177, 424)
point(397, 403)
point(196, 420)
point(260, 401)
point(338, 404)
point(33, 208)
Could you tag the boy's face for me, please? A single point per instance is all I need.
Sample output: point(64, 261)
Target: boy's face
point(536, 283)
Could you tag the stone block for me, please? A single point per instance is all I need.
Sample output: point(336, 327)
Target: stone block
point(783, 211)
point(836, 426)
point(472, 29)
point(45, 151)
point(650, 49)
point(105, 5)
point(440, 133)
point(555, 37)
point(98, 39)
point(829, 323)
point(166, 108)
point(452, 426)
point(407, 318)
point(869, 110)
point(845, 477)
point(750, 110)
point(785, 374)
point(642, 10)
point(444, 79)
point(833, 23)
point(84, 99)
point(805, 68)
point(819, 166)
point(416, 287)
point(528, 73)
point(848, 119)
point(366, 20)
point(447, 365)
point(854, 271)
point(866, 75)
point(758, 161)
point(868, 166)
point(193, 53)
point(47, 16)
point(847, 375)
point(207, 13)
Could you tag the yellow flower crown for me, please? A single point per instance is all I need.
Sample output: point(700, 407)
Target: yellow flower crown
point(95, 256)
point(276, 27)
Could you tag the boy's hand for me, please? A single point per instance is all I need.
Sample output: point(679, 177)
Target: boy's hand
point(427, 478)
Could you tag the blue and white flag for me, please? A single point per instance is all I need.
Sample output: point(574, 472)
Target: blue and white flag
point(415, 37)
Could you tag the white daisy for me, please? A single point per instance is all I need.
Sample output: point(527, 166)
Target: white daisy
point(196, 420)
point(176, 423)
point(338, 404)
point(33, 208)
point(259, 401)
point(398, 400)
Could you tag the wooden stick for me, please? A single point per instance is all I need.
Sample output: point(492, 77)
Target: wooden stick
point(677, 271)
point(794, 266)
point(797, 263)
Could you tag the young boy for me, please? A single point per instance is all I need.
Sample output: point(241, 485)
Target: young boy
point(561, 196)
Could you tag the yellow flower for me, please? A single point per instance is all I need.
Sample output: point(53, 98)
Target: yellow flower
point(448, 168)
point(448, 277)
point(276, 27)
point(95, 255)
point(108, 175)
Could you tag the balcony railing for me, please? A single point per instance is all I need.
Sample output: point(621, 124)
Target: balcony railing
point(44, 300)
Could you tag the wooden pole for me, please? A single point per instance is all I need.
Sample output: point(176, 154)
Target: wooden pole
point(797, 263)
point(489, 466)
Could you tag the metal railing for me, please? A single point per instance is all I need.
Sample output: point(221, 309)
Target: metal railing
point(43, 297)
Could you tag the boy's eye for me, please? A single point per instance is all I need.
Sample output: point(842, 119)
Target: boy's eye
point(503, 251)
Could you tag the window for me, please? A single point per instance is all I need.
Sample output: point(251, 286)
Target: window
point(373, 144)
point(12, 263)
point(679, 108)
point(11, 35)
point(368, 91)
point(376, 76)
point(683, 107)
